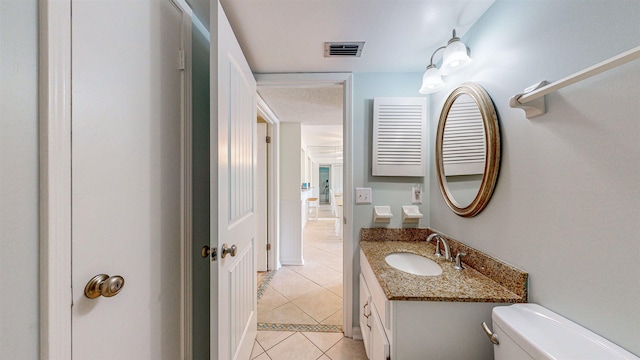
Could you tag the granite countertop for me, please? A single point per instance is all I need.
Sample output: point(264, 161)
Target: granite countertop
point(466, 285)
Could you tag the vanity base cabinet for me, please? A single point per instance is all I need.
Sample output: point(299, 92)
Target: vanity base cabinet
point(420, 330)
point(440, 330)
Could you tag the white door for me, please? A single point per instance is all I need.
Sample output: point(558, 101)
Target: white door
point(127, 87)
point(236, 203)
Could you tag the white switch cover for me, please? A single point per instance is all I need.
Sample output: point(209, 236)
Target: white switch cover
point(363, 196)
point(416, 195)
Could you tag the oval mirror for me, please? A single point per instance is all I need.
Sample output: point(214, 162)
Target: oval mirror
point(468, 149)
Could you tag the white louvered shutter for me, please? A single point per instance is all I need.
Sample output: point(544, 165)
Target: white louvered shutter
point(399, 136)
point(463, 150)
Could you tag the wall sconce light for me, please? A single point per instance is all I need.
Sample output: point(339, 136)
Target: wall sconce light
point(455, 57)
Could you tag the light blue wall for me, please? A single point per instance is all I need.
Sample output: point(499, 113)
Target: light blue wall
point(19, 180)
point(566, 206)
point(393, 191)
point(387, 190)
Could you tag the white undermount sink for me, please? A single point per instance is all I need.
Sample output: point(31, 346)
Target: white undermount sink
point(413, 264)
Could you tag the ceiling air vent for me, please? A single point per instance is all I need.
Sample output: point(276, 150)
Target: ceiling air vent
point(343, 49)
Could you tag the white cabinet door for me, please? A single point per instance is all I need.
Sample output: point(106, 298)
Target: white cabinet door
point(365, 315)
point(126, 146)
point(380, 349)
point(235, 273)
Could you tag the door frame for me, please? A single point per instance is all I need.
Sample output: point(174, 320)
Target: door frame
point(346, 80)
point(273, 183)
point(55, 176)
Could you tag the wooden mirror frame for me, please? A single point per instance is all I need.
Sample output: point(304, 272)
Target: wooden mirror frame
point(492, 138)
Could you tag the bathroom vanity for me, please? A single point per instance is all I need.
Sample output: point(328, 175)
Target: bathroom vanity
point(406, 316)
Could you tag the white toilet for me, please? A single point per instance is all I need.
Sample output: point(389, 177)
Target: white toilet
point(530, 331)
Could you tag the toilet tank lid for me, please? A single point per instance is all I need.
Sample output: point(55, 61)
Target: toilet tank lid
point(544, 334)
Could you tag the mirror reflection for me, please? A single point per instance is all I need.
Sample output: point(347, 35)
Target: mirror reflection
point(467, 149)
point(464, 150)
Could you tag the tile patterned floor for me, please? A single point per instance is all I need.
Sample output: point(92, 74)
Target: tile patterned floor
point(300, 307)
point(285, 345)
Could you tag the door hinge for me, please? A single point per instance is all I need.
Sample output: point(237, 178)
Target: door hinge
point(345, 220)
point(268, 247)
point(268, 139)
point(181, 60)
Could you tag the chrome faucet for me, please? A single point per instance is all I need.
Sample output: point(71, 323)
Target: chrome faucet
point(458, 265)
point(447, 251)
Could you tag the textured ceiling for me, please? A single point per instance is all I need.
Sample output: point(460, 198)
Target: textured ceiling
point(310, 106)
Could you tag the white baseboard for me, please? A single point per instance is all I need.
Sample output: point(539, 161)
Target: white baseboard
point(357, 333)
point(292, 262)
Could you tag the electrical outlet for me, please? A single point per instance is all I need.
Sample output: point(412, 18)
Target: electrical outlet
point(416, 195)
point(363, 196)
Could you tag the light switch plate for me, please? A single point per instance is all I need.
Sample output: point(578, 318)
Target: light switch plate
point(416, 195)
point(363, 196)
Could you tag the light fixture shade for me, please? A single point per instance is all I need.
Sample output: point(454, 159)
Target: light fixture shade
point(431, 81)
point(455, 57)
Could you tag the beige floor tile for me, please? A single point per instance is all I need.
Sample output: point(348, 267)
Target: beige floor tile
point(282, 275)
point(323, 340)
point(334, 319)
point(334, 286)
point(335, 262)
point(295, 347)
point(347, 349)
point(318, 273)
point(324, 357)
point(257, 350)
point(331, 247)
point(291, 284)
point(314, 254)
point(323, 243)
point(319, 304)
point(286, 314)
point(264, 356)
point(312, 293)
point(270, 300)
point(268, 339)
point(331, 261)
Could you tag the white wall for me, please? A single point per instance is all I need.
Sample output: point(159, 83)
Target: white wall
point(315, 179)
point(393, 191)
point(19, 179)
point(290, 210)
point(566, 205)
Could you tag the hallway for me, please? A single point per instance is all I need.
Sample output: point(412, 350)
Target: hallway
point(300, 307)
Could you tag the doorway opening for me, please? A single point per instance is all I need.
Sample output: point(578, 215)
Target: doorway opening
point(325, 174)
point(306, 292)
point(329, 216)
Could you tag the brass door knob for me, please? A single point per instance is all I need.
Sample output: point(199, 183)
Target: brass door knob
point(228, 250)
point(205, 251)
point(104, 285)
